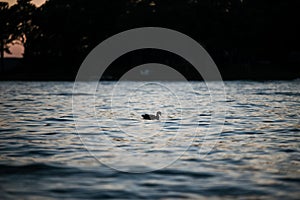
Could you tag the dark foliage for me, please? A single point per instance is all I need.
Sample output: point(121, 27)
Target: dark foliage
point(248, 39)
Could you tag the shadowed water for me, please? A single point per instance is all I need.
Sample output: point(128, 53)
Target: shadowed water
point(255, 156)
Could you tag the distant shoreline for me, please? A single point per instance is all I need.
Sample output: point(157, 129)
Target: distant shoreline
point(15, 70)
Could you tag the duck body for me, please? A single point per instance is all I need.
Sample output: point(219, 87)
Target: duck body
point(152, 117)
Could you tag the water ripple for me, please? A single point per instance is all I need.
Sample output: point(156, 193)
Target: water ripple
point(256, 156)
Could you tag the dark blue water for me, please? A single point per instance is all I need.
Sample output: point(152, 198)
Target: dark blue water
point(48, 151)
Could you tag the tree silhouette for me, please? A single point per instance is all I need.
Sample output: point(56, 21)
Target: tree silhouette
point(246, 38)
point(22, 19)
point(6, 31)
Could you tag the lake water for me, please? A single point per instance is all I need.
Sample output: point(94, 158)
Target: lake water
point(56, 142)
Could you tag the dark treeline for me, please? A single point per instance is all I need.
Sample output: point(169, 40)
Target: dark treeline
point(248, 39)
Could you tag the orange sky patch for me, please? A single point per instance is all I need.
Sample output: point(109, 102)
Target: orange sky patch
point(36, 2)
point(17, 51)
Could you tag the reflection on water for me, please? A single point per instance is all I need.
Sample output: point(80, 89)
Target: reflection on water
point(255, 156)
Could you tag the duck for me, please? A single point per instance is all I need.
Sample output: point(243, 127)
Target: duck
point(152, 117)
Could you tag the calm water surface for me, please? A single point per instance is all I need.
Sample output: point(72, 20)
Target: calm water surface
point(48, 151)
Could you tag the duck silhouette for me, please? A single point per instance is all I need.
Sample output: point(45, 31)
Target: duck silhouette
point(152, 117)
